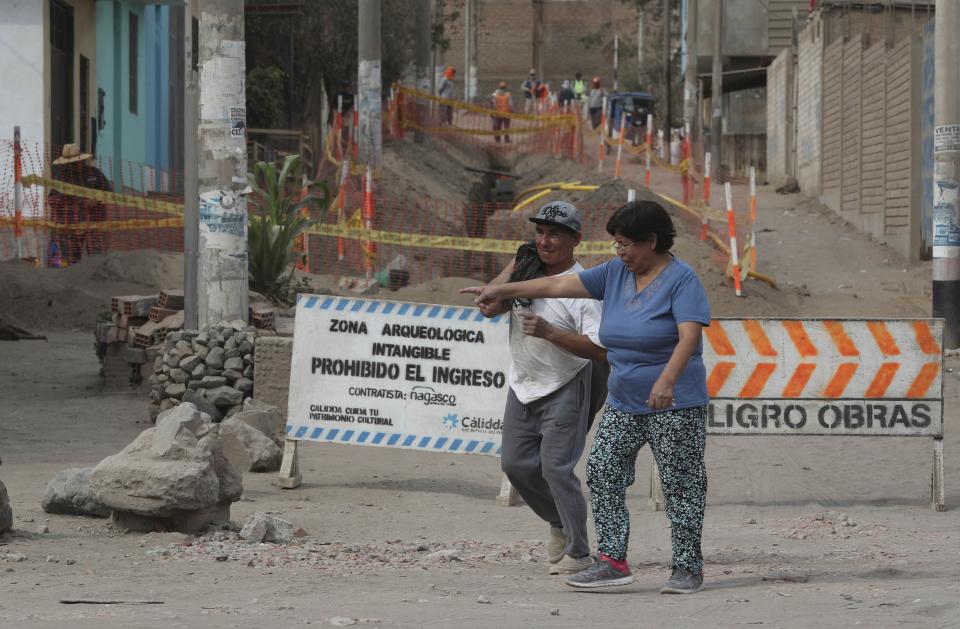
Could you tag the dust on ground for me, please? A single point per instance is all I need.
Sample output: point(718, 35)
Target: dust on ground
point(800, 532)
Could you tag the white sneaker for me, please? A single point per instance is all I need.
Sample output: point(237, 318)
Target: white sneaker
point(571, 565)
point(556, 545)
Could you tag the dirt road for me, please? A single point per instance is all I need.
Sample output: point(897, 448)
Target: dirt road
point(800, 532)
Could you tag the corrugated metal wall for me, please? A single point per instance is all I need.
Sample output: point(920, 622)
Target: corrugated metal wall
point(809, 108)
point(870, 137)
point(850, 162)
point(874, 137)
point(780, 21)
point(899, 135)
point(832, 127)
point(779, 84)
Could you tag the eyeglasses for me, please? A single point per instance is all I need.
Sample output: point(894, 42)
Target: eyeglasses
point(621, 246)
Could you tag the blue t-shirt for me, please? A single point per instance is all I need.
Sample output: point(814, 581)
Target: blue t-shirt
point(640, 333)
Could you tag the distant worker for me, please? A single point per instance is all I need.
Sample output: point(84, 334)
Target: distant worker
point(445, 90)
point(595, 101)
point(579, 87)
point(541, 92)
point(527, 87)
point(565, 96)
point(502, 103)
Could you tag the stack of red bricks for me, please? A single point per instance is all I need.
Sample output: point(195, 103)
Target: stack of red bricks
point(145, 320)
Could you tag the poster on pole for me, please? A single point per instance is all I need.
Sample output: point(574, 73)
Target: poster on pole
point(398, 374)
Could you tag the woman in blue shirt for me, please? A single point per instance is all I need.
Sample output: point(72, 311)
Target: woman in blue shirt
point(654, 310)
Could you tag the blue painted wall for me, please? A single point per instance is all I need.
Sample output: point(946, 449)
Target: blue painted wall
point(130, 140)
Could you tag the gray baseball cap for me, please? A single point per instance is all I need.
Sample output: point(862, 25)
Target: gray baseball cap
point(558, 213)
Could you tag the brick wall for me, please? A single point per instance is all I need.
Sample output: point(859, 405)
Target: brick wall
point(505, 46)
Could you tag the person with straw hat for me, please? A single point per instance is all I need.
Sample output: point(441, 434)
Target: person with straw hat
point(74, 167)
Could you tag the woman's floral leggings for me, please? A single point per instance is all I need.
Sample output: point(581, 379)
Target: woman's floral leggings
point(677, 438)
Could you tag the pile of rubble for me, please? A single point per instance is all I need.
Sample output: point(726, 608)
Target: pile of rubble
point(212, 369)
point(133, 336)
point(340, 558)
point(181, 475)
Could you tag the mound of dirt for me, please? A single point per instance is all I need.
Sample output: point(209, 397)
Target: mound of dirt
point(50, 299)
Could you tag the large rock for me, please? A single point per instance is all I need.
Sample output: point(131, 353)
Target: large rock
point(174, 475)
point(6, 514)
point(248, 448)
point(203, 404)
point(264, 417)
point(262, 527)
point(225, 396)
point(69, 493)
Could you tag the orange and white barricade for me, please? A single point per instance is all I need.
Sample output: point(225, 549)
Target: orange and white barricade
point(732, 227)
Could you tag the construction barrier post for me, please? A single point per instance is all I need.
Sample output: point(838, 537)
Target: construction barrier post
point(753, 218)
point(686, 163)
point(631, 195)
point(732, 227)
point(17, 201)
point(704, 224)
point(341, 203)
point(616, 168)
point(353, 133)
point(646, 174)
point(368, 209)
point(338, 127)
point(603, 135)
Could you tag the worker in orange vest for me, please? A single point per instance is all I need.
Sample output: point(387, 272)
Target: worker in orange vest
point(502, 102)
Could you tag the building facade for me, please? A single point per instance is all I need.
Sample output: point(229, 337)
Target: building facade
point(99, 73)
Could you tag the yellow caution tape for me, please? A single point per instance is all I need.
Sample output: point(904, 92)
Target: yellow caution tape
point(127, 224)
point(114, 198)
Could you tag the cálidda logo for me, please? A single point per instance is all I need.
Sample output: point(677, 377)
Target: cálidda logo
point(450, 421)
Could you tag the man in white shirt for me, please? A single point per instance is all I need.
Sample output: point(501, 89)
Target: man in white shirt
point(557, 384)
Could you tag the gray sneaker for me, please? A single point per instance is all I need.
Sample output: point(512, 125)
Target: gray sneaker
point(556, 545)
point(600, 575)
point(683, 582)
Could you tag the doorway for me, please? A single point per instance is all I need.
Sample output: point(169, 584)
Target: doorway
point(61, 75)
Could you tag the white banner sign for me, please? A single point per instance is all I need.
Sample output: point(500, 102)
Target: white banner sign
point(396, 374)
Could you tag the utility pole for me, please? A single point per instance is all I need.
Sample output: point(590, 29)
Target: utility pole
point(690, 114)
point(538, 37)
point(436, 54)
point(473, 30)
point(667, 105)
point(467, 42)
point(370, 135)
point(191, 192)
point(946, 172)
point(222, 168)
point(641, 19)
point(424, 23)
point(716, 88)
point(616, 62)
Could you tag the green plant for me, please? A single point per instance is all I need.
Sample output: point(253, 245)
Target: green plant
point(266, 97)
point(278, 200)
